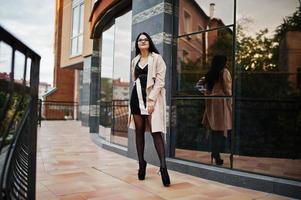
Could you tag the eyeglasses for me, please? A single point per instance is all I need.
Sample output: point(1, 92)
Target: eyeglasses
point(141, 40)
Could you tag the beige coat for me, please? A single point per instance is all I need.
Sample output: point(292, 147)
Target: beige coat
point(218, 112)
point(155, 91)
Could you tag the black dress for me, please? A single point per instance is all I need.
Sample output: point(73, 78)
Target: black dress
point(138, 96)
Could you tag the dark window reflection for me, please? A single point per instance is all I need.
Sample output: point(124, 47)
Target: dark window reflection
point(194, 57)
point(193, 141)
point(267, 122)
point(268, 107)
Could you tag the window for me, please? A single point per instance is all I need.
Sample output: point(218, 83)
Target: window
point(77, 27)
point(200, 36)
point(185, 55)
point(115, 79)
point(187, 22)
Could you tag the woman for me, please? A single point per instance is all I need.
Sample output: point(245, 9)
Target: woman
point(218, 112)
point(147, 103)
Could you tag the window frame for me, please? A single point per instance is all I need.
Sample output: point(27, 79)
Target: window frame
point(80, 30)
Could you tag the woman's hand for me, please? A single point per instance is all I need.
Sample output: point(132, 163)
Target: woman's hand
point(150, 106)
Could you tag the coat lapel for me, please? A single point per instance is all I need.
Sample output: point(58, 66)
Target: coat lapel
point(136, 60)
point(150, 72)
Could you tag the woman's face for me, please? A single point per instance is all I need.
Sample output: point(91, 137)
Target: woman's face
point(143, 42)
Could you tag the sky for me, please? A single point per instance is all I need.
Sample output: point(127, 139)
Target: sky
point(31, 21)
point(261, 14)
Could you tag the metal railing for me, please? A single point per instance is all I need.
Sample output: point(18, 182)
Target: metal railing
point(57, 110)
point(120, 117)
point(114, 114)
point(18, 123)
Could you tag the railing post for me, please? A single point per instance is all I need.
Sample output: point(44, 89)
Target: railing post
point(40, 112)
point(34, 87)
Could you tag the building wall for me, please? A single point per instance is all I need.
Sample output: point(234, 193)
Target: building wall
point(66, 77)
point(66, 59)
point(63, 78)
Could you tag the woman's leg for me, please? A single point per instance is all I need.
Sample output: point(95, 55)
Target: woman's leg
point(159, 145)
point(216, 146)
point(214, 150)
point(220, 142)
point(140, 139)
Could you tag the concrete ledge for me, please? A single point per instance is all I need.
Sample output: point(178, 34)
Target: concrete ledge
point(237, 178)
point(107, 145)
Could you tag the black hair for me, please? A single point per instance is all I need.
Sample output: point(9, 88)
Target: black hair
point(151, 48)
point(217, 65)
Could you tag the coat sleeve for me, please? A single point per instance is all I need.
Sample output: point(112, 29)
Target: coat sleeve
point(227, 82)
point(160, 68)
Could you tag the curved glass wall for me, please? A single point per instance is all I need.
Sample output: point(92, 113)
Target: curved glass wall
point(114, 80)
point(266, 84)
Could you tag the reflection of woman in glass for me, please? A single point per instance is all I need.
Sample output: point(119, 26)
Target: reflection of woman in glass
point(218, 111)
point(147, 103)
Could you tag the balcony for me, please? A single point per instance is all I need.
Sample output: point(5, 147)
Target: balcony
point(71, 167)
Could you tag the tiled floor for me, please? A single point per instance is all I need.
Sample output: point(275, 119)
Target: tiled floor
point(71, 167)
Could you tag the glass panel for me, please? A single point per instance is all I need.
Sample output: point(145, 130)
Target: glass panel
point(193, 141)
point(107, 62)
point(7, 132)
point(75, 21)
point(28, 71)
point(5, 60)
point(74, 42)
point(80, 44)
point(19, 67)
point(5, 69)
point(196, 15)
point(194, 56)
point(81, 18)
point(268, 107)
point(121, 78)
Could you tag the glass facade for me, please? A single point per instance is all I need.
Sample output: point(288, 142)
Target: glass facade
point(115, 79)
point(263, 56)
point(263, 59)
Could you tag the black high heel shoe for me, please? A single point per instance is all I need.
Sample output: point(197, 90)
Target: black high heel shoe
point(164, 176)
point(141, 171)
point(218, 160)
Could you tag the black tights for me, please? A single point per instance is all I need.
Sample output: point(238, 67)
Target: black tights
point(140, 121)
point(218, 142)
